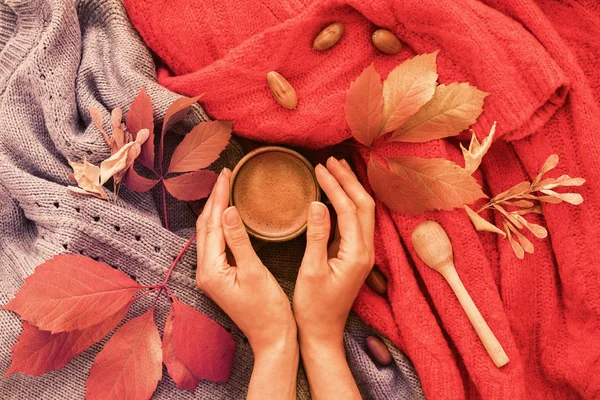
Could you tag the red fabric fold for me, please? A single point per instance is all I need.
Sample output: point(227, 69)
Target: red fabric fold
point(539, 67)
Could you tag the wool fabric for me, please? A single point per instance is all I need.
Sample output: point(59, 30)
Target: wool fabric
point(58, 58)
point(538, 61)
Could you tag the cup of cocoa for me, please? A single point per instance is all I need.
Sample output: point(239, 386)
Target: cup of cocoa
point(272, 188)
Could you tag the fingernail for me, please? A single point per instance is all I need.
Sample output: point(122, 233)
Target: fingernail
point(321, 167)
point(231, 216)
point(227, 172)
point(344, 163)
point(317, 211)
point(334, 160)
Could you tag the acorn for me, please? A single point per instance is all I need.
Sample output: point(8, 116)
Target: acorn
point(281, 90)
point(328, 37)
point(386, 42)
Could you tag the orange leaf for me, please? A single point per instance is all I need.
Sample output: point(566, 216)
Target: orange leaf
point(182, 376)
point(175, 113)
point(364, 106)
point(407, 88)
point(201, 344)
point(38, 352)
point(140, 116)
point(201, 147)
point(72, 292)
point(130, 364)
point(138, 183)
point(412, 185)
point(191, 186)
point(452, 109)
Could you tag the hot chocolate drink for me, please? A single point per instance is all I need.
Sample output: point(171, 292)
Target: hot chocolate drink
point(272, 190)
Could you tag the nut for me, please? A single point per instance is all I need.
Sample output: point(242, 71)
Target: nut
point(378, 350)
point(377, 281)
point(281, 90)
point(386, 41)
point(328, 37)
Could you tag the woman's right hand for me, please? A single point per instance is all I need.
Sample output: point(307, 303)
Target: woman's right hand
point(330, 278)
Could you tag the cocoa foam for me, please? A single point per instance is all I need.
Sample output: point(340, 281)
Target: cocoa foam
point(272, 192)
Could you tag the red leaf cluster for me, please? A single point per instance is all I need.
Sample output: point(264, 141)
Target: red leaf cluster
point(198, 150)
point(71, 302)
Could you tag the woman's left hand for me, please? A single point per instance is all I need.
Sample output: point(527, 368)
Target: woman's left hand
point(248, 293)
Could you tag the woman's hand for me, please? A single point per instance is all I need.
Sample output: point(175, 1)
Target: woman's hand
point(330, 278)
point(248, 293)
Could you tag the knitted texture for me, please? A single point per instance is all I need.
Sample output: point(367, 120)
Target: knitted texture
point(539, 64)
point(57, 59)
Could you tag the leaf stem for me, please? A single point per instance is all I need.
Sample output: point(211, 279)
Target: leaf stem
point(136, 298)
point(156, 298)
point(164, 201)
point(169, 293)
point(187, 245)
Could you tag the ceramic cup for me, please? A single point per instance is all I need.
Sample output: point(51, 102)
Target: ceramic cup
point(272, 188)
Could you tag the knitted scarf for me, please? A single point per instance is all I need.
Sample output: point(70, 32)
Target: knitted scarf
point(539, 64)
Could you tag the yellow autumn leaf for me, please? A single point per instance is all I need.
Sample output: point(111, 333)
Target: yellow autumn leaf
point(412, 184)
point(408, 88)
point(452, 109)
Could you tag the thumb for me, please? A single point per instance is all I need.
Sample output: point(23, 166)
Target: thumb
point(237, 238)
point(317, 236)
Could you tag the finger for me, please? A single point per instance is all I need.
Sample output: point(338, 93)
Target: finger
point(347, 216)
point(317, 236)
point(214, 245)
point(237, 239)
point(347, 166)
point(201, 230)
point(359, 196)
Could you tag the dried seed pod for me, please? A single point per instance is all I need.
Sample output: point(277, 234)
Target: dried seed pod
point(328, 37)
point(377, 281)
point(386, 41)
point(282, 91)
point(378, 350)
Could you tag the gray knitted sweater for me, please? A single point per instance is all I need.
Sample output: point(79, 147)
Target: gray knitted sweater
point(57, 59)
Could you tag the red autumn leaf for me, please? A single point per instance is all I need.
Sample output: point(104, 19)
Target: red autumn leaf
point(364, 106)
point(38, 352)
point(191, 186)
point(181, 375)
point(201, 147)
point(412, 184)
point(72, 292)
point(407, 88)
point(175, 113)
point(140, 116)
point(130, 364)
point(201, 344)
point(138, 183)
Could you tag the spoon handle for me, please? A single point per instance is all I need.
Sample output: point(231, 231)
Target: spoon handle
point(491, 344)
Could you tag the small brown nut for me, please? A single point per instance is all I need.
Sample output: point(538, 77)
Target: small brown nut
point(386, 41)
point(282, 91)
point(378, 350)
point(329, 36)
point(377, 281)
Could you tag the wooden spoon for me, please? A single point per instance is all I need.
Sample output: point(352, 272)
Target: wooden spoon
point(434, 248)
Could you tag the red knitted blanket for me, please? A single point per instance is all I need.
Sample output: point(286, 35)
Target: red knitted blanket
point(537, 61)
